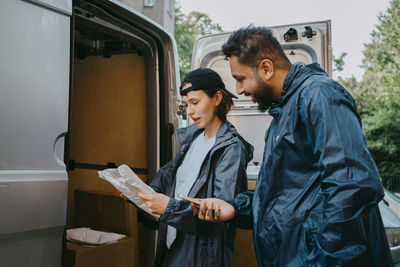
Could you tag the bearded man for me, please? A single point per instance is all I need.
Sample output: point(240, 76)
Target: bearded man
point(317, 193)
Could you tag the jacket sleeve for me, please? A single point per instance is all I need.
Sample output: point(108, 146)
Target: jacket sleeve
point(228, 174)
point(350, 182)
point(242, 204)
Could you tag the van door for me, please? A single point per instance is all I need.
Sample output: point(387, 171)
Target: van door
point(34, 89)
point(304, 42)
point(60, 70)
point(122, 111)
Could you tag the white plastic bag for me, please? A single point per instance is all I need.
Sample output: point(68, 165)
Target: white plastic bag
point(88, 236)
point(128, 183)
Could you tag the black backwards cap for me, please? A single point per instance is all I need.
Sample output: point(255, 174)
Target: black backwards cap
point(201, 79)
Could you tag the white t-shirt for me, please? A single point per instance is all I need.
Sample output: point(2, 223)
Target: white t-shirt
point(188, 172)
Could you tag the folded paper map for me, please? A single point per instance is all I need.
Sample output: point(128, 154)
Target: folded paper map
point(128, 183)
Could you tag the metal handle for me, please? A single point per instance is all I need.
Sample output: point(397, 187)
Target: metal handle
point(58, 160)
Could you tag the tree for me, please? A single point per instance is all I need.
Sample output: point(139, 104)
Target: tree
point(187, 29)
point(380, 91)
point(377, 95)
point(351, 83)
point(381, 56)
point(383, 134)
point(339, 62)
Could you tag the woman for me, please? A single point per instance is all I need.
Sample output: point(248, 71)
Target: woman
point(211, 162)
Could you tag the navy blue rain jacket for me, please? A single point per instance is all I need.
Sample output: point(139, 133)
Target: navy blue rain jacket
point(316, 198)
point(222, 175)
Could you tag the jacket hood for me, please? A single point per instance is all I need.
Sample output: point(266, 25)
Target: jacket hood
point(226, 134)
point(298, 73)
point(227, 128)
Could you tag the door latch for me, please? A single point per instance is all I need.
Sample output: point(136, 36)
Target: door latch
point(309, 32)
point(290, 35)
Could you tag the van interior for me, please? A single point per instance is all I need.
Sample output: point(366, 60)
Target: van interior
point(110, 115)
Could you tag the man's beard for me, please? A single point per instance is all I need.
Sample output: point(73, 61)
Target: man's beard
point(263, 96)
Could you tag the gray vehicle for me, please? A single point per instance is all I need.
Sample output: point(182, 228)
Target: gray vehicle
point(84, 85)
point(304, 42)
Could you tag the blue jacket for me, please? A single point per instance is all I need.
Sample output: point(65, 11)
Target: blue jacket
point(222, 175)
point(316, 198)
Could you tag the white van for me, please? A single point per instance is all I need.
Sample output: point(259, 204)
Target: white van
point(91, 84)
point(84, 85)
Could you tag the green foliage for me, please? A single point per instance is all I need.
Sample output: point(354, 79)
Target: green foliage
point(382, 129)
point(382, 55)
point(187, 29)
point(378, 94)
point(339, 62)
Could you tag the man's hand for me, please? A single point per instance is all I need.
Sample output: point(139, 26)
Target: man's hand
point(213, 210)
point(156, 202)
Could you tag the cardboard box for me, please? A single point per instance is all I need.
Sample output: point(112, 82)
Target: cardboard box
point(119, 254)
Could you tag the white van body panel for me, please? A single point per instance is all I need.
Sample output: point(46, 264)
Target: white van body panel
point(34, 82)
point(63, 6)
point(35, 75)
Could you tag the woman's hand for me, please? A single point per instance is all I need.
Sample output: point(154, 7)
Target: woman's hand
point(122, 195)
point(156, 202)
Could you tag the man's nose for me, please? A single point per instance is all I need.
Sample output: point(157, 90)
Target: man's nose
point(239, 89)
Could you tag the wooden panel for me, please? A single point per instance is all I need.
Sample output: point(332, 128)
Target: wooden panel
point(109, 122)
point(87, 180)
point(244, 254)
point(118, 254)
point(251, 184)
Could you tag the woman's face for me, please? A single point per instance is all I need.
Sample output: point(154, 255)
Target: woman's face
point(201, 108)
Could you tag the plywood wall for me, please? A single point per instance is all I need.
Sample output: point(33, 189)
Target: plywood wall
point(108, 119)
point(244, 254)
point(109, 110)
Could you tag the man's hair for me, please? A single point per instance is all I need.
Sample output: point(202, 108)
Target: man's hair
point(252, 44)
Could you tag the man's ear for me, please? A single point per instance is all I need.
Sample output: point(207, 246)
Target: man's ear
point(266, 68)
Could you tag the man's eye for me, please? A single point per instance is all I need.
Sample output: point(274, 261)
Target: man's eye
point(195, 103)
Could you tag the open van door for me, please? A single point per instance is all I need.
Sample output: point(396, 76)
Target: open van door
point(305, 42)
point(34, 89)
point(84, 85)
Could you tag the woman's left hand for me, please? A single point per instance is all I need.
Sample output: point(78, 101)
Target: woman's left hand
point(156, 202)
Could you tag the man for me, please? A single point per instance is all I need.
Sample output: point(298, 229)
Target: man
point(316, 198)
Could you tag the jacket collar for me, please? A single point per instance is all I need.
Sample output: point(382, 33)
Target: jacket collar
point(188, 134)
point(226, 135)
point(297, 75)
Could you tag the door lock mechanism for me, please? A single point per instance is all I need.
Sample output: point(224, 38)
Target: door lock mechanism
point(309, 32)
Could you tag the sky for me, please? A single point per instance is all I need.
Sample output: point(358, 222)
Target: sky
point(352, 21)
